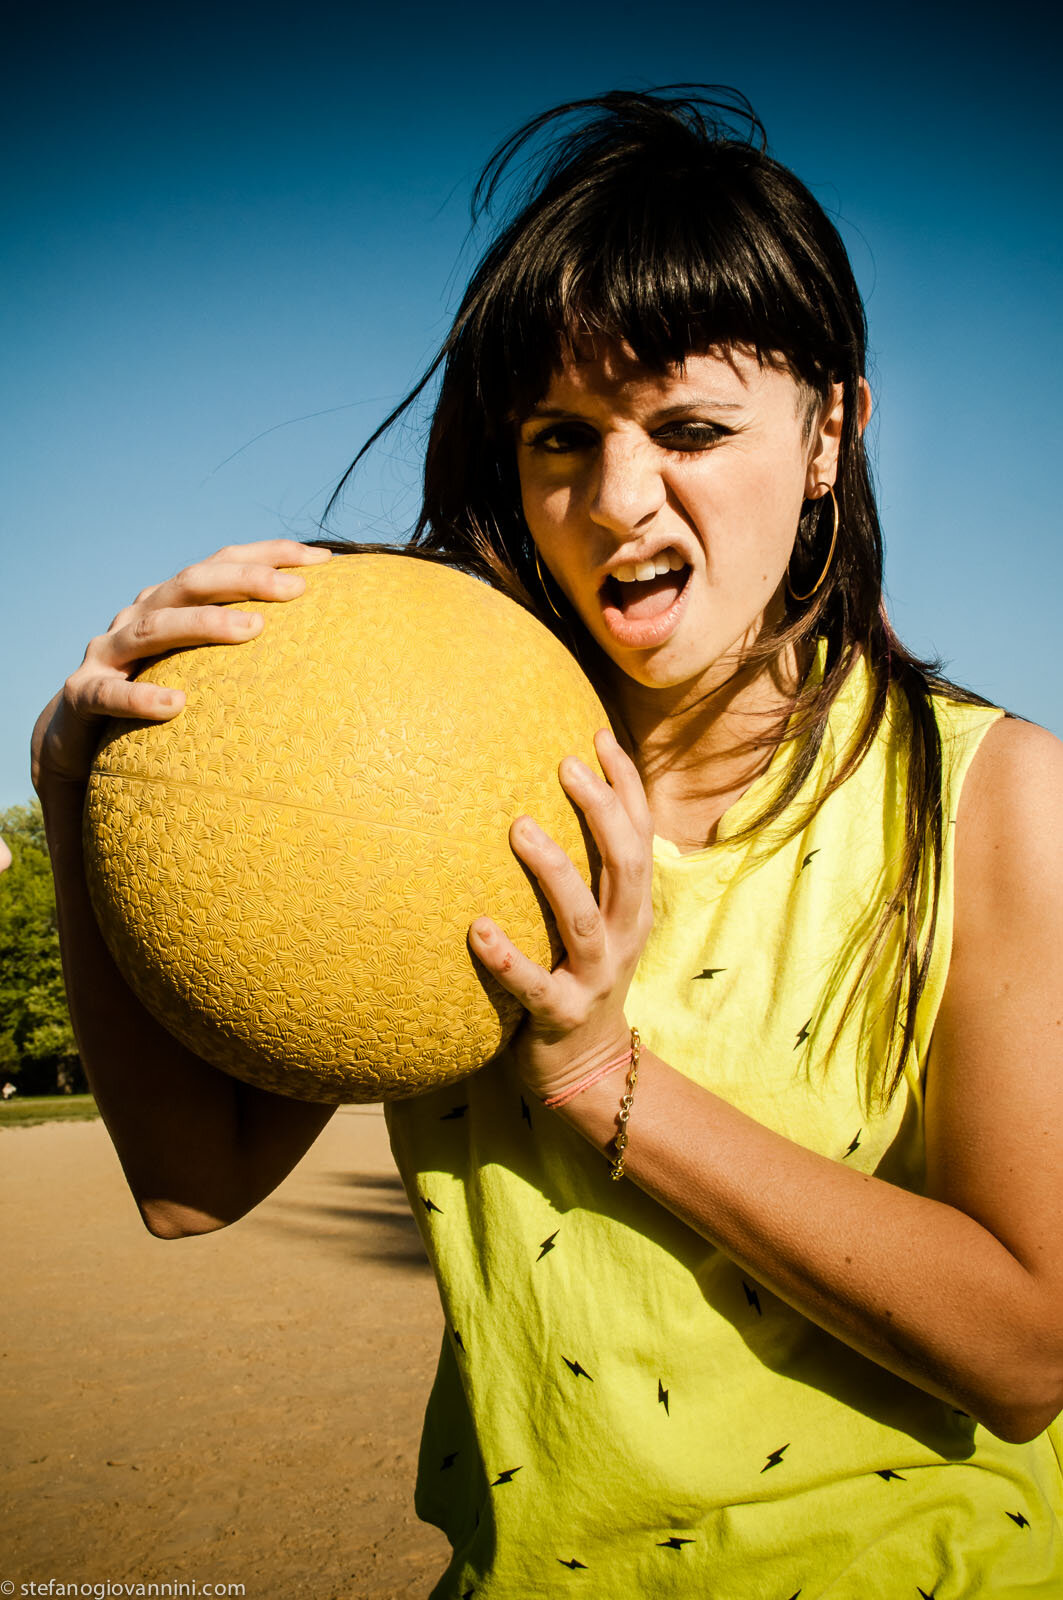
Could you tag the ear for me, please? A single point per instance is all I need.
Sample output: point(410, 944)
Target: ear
point(824, 443)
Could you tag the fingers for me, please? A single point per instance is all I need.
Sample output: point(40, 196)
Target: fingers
point(92, 696)
point(623, 774)
point(620, 822)
point(237, 572)
point(608, 933)
point(274, 553)
point(579, 919)
point(139, 635)
point(556, 999)
point(530, 983)
point(602, 942)
point(217, 582)
point(192, 608)
point(182, 611)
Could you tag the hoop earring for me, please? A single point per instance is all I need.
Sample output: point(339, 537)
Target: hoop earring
point(791, 591)
point(546, 591)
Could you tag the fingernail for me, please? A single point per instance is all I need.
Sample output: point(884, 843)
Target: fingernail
point(250, 621)
point(289, 583)
point(165, 699)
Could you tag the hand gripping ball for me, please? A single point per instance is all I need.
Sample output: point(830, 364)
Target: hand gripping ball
point(286, 872)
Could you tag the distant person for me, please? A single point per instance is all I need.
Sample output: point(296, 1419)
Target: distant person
point(749, 1248)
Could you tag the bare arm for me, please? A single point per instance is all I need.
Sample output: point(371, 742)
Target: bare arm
point(959, 1291)
point(198, 1148)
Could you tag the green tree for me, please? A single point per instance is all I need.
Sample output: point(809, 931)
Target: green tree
point(37, 1048)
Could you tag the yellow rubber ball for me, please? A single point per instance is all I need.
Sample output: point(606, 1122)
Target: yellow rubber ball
point(286, 872)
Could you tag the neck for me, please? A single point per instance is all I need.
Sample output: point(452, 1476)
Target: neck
point(699, 747)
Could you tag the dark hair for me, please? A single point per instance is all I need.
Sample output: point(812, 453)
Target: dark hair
point(659, 221)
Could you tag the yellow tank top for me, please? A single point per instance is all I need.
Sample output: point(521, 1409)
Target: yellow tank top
point(619, 1410)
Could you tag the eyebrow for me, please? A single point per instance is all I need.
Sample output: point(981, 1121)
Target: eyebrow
point(707, 402)
point(696, 402)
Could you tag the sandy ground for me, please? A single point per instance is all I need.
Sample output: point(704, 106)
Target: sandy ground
point(243, 1407)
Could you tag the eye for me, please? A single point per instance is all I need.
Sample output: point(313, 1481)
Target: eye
point(690, 436)
point(562, 438)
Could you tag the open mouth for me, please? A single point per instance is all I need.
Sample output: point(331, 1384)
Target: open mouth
point(643, 592)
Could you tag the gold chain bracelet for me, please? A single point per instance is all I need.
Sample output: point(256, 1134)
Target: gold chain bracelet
point(617, 1168)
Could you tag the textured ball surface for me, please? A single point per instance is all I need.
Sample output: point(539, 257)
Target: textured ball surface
point(286, 872)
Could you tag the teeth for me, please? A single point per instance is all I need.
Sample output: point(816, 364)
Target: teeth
point(642, 571)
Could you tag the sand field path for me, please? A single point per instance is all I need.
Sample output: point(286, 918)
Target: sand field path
point(242, 1407)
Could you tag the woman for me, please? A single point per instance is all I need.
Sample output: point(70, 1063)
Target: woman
point(748, 1249)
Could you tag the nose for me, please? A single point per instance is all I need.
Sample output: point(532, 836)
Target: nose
point(629, 488)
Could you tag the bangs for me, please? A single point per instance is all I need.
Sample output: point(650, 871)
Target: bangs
point(668, 267)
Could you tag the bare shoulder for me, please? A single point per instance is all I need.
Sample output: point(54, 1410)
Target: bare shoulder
point(1009, 823)
point(1017, 763)
point(994, 1108)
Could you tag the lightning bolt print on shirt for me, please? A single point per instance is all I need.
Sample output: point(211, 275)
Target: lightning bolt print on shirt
point(610, 1358)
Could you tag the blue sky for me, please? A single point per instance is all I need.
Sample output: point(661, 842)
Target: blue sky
point(234, 237)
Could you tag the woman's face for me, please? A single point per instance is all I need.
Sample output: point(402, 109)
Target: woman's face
point(689, 484)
